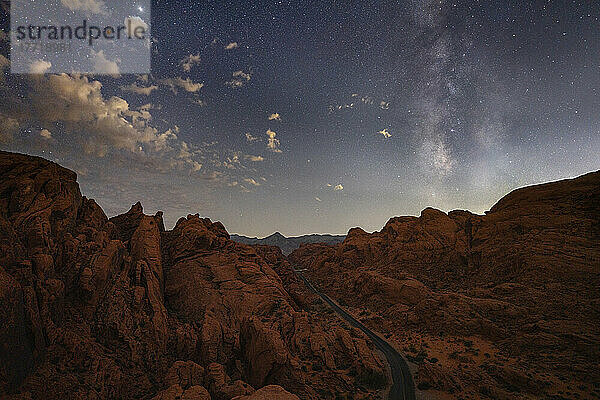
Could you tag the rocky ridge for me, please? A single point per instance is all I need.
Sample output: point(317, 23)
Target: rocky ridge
point(503, 305)
point(120, 308)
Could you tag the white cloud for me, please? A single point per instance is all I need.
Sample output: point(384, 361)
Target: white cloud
point(234, 84)
point(239, 79)
point(254, 158)
point(186, 84)
point(39, 67)
point(231, 46)
point(338, 187)
point(272, 143)
point(102, 65)
point(242, 75)
point(91, 6)
point(356, 100)
point(367, 100)
point(275, 117)
point(99, 124)
point(251, 181)
point(385, 133)
point(143, 90)
point(188, 62)
point(134, 22)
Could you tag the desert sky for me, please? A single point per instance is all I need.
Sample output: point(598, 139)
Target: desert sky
point(315, 117)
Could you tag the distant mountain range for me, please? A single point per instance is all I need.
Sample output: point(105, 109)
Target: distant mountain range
point(289, 244)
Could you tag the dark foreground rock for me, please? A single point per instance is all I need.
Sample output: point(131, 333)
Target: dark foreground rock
point(119, 308)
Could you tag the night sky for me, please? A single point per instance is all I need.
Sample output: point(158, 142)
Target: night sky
point(315, 117)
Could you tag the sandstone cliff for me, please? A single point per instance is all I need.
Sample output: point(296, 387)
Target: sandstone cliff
point(502, 305)
point(120, 308)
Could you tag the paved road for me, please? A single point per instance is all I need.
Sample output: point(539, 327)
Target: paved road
point(403, 387)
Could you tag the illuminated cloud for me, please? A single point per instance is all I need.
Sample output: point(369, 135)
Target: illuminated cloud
point(275, 117)
point(96, 126)
point(188, 62)
point(251, 182)
point(234, 84)
point(102, 65)
point(78, 103)
point(142, 90)
point(241, 75)
point(357, 100)
point(385, 133)
point(338, 187)
point(231, 46)
point(133, 23)
point(272, 143)
point(186, 84)
point(254, 158)
point(88, 6)
point(39, 67)
point(239, 79)
point(367, 100)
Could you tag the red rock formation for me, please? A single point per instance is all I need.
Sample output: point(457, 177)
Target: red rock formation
point(271, 392)
point(93, 308)
point(521, 281)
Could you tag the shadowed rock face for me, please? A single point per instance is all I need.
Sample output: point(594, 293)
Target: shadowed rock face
point(119, 308)
point(521, 282)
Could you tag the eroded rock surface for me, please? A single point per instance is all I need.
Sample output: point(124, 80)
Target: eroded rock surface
point(506, 301)
point(120, 308)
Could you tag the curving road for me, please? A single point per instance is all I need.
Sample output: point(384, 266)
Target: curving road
point(403, 387)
